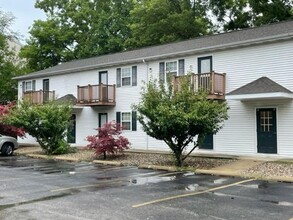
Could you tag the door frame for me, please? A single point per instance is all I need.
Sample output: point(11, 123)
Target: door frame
point(46, 96)
point(100, 117)
point(255, 126)
point(211, 140)
point(100, 76)
point(209, 137)
point(199, 59)
point(73, 130)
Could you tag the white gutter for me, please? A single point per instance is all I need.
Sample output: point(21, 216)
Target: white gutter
point(258, 96)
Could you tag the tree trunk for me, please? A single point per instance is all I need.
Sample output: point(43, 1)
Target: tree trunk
point(105, 156)
point(178, 157)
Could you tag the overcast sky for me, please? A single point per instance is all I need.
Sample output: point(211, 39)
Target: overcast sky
point(24, 12)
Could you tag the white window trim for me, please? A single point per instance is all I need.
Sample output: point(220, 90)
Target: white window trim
point(130, 68)
point(166, 71)
point(130, 121)
point(25, 86)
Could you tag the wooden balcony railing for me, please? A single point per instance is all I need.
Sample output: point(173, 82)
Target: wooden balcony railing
point(213, 83)
point(96, 95)
point(38, 97)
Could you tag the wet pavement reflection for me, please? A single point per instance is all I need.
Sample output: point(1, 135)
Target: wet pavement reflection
point(27, 181)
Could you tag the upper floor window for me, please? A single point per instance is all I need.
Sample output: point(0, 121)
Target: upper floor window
point(171, 68)
point(126, 76)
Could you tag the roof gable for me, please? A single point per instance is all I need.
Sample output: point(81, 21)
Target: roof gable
point(261, 85)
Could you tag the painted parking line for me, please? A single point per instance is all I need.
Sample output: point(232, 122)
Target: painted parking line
point(190, 194)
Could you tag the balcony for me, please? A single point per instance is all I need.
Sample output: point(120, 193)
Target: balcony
point(38, 97)
point(96, 95)
point(213, 83)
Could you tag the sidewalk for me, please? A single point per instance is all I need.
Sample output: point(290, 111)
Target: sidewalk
point(239, 167)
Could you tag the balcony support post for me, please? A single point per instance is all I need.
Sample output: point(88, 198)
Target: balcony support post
point(90, 93)
point(212, 90)
point(101, 92)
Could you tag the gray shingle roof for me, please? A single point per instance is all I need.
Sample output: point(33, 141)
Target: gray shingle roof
point(261, 85)
point(67, 98)
point(266, 33)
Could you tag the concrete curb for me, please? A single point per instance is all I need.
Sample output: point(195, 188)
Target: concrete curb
point(39, 156)
point(168, 168)
point(107, 162)
point(157, 167)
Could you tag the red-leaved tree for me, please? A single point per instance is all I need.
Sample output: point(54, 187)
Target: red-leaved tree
point(8, 129)
point(108, 139)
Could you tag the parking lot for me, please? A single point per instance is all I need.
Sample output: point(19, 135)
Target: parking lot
point(40, 189)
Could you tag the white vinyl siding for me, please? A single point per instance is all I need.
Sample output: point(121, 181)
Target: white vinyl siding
point(241, 65)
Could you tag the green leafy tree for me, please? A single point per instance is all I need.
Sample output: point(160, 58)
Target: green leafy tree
point(161, 21)
point(76, 29)
point(47, 123)
point(9, 65)
point(266, 12)
point(234, 15)
point(231, 15)
point(179, 117)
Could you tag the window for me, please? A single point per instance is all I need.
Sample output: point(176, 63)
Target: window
point(126, 120)
point(171, 68)
point(126, 76)
point(29, 85)
point(266, 121)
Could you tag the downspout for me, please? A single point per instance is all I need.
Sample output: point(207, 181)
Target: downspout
point(147, 79)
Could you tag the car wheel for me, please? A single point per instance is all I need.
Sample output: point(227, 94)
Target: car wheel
point(7, 149)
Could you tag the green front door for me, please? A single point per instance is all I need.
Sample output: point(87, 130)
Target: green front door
point(208, 142)
point(266, 130)
point(71, 135)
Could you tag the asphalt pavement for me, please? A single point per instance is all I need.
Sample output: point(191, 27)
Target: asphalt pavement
point(32, 189)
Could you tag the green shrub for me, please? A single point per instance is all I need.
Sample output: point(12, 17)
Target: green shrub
point(47, 123)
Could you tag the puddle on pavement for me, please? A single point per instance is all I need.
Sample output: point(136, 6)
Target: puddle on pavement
point(47, 198)
point(148, 180)
point(220, 181)
point(261, 185)
point(192, 187)
point(105, 178)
